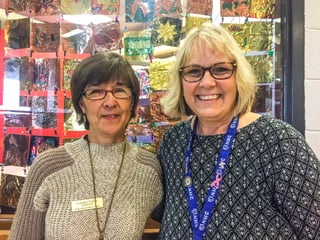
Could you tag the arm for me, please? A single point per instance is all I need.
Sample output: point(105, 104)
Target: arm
point(28, 223)
point(297, 187)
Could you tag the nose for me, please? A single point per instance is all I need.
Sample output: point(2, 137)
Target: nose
point(109, 100)
point(207, 79)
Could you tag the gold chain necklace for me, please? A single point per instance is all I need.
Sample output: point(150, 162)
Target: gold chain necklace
point(102, 231)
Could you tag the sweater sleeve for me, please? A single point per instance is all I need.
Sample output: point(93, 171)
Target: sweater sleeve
point(28, 222)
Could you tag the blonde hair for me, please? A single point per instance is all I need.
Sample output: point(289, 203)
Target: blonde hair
point(210, 38)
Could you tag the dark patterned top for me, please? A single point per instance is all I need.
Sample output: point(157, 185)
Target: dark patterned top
point(270, 190)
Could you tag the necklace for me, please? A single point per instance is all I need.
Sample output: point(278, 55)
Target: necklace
point(102, 230)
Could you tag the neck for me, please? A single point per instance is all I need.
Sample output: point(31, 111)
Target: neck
point(213, 127)
point(92, 138)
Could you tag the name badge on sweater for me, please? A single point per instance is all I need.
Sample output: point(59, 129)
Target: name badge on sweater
point(86, 204)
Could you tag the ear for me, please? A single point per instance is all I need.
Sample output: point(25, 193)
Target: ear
point(82, 106)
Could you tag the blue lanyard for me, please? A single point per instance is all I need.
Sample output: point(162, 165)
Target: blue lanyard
point(199, 223)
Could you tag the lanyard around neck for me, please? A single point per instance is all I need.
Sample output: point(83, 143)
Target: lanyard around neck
point(200, 222)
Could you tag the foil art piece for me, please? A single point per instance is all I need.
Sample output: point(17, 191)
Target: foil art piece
point(263, 68)
point(167, 8)
point(263, 100)
point(155, 108)
point(10, 189)
point(260, 36)
point(166, 31)
point(203, 7)
point(45, 7)
point(140, 133)
point(107, 36)
point(44, 112)
point(262, 8)
point(192, 22)
point(17, 69)
point(76, 38)
point(159, 75)
point(137, 45)
point(234, 8)
point(68, 67)
point(75, 7)
point(139, 10)
point(106, 7)
point(18, 5)
point(143, 77)
point(39, 144)
point(45, 37)
point(158, 133)
point(15, 150)
point(70, 117)
point(239, 33)
point(17, 33)
point(18, 119)
point(143, 115)
point(45, 74)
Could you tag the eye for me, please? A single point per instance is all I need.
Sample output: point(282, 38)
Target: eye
point(95, 92)
point(193, 71)
point(220, 69)
point(119, 90)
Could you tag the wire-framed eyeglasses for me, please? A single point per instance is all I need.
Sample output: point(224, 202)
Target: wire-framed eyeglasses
point(219, 71)
point(99, 93)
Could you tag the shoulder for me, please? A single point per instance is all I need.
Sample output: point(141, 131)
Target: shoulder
point(146, 158)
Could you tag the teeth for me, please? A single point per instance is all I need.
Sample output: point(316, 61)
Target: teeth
point(209, 97)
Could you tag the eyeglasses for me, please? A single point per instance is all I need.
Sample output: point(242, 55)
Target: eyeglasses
point(98, 93)
point(219, 71)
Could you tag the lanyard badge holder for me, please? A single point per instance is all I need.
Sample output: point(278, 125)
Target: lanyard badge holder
point(200, 222)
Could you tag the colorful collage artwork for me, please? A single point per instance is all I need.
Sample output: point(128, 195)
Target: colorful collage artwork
point(39, 58)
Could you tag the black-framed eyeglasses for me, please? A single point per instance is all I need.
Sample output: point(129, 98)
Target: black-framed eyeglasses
point(98, 93)
point(219, 71)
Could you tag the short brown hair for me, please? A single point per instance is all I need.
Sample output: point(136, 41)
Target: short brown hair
point(102, 68)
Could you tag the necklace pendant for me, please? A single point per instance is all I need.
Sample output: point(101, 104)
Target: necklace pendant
point(101, 237)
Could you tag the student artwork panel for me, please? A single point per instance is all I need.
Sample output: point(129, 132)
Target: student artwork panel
point(45, 7)
point(203, 7)
point(44, 112)
point(10, 189)
point(75, 7)
point(106, 7)
point(192, 22)
point(166, 31)
point(68, 67)
point(76, 38)
point(17, 69)
point(167, 8)
point(39, 144)
point(15, 150)
point(262, 8)
point(234, 8)
point(137, 45)
point(139, 10)
point(159, 75)
point(17, 33)
point(45, 37)
point(45, 74)
point(107, 36)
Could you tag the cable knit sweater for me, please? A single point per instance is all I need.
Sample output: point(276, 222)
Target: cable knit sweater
point(63, 175)
point(270, 190)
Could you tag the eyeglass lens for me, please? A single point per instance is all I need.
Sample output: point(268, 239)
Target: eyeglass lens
point(218, 71)
point(119, 92)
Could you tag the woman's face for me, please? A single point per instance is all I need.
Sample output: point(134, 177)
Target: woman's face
point(210, 99)
point(108, 117)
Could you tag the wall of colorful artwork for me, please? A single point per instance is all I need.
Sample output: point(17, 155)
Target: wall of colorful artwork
point(41, 42)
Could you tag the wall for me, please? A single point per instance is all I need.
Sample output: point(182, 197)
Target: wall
point(312, 74)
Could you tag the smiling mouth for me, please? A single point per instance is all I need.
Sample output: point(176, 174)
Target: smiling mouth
point(209, 97)
point(111, 115)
